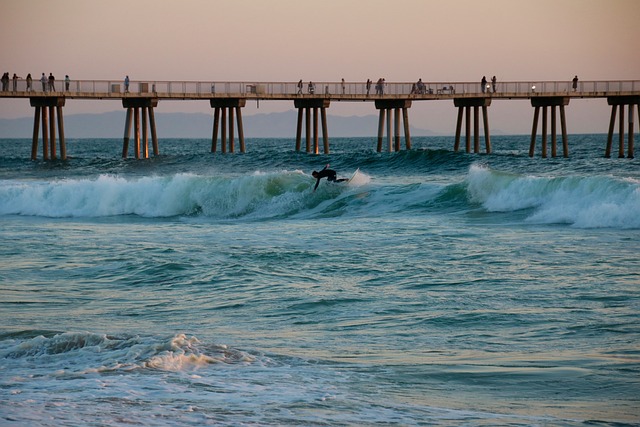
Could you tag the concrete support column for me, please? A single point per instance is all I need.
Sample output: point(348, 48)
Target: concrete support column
point(389, 142)
point(468, 128)
point(154, 134)
point(315, 131)
point(307, 128)
point(398, 106)
point(620, 101)
point(487, 136)
point(216, 125)
point(621, 134)
point(396, 127)
point(240, 129)
point(381, 128)
point(554, 147)
point(614, 109)
point(127, 133)
point(544, 132)
point(223, 135)
point(52, 132)
point(407, 134)
point(630, 148)
point(299, 129)
point(136, 131)
point(145, 135)
point(464, 111)
point(45, 133)
point(563, 126)
point(545, 102)
point(456, 145)
point(307, 107)
point(34, 142)
point(476, 131)
point(325, 130)
point(223, 108)
point(63, 144)
point(142, 113)
point(45, 110)
point(232, 147)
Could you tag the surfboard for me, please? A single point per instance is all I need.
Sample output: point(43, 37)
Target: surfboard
point(354, 175)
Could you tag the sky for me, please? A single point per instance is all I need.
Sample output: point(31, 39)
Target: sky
point(288, 40)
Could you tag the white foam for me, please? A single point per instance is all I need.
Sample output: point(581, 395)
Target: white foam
point(585, 202)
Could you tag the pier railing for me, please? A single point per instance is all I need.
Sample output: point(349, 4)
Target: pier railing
point(288, 90)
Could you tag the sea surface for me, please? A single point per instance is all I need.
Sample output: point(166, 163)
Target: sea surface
point(437, 288)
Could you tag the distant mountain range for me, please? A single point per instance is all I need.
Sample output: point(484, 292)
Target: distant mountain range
point(199, 125)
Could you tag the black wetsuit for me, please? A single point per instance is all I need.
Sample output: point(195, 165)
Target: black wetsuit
point(330, 174)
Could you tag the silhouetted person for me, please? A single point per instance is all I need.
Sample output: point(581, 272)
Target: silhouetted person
point(52, 83)
point(575, 83)
point(483, 84)
point(330, 174)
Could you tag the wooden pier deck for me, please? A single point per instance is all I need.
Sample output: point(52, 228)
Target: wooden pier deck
point(351, 91)
point(390, 98)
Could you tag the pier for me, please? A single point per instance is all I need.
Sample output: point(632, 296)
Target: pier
point(227, 99)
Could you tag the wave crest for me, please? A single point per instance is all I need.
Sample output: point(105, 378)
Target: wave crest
point(584, 202)
point(105, 353)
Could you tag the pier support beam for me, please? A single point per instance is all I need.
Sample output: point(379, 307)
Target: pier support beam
point(305, 106)
point(47, 108)
point(396, 106)
point(544, 102)
point(136, 106)
point(464, 109)
point(633, 102)
point(227, 107)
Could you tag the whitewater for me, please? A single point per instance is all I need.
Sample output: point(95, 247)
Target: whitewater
point(436, 288)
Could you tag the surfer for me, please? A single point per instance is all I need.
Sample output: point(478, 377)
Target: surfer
point(330, 174)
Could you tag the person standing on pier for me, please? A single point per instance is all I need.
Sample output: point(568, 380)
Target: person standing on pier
point(312, 88)
point(43, 80)
point(493, 83)
point(52, 83)
point(575, 83)
point(15, 82)
point(483, 84)
point(29, 82)
point(343, 86)
point(126, 84)
point(368, 86)
point(67, 81)
point(300, 87)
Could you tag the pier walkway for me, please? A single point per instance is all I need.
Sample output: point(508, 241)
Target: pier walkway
point(390, 98)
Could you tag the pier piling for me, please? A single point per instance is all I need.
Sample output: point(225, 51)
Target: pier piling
point(633, 103)
point(224, 107)
point(47, 108)
point(135, 107)
point(386, 108)
point(464, 110)
point(545, 102)
point(305, 107)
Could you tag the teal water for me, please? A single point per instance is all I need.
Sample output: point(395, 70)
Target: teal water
point(437, 288)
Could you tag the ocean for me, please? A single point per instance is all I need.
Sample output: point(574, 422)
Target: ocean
point(435, 289)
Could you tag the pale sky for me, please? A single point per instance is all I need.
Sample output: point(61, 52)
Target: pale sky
point(288, 40)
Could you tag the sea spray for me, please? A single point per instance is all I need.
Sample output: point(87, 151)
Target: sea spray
point(585, 202)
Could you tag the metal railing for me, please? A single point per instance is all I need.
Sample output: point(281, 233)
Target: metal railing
point(208, 89)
